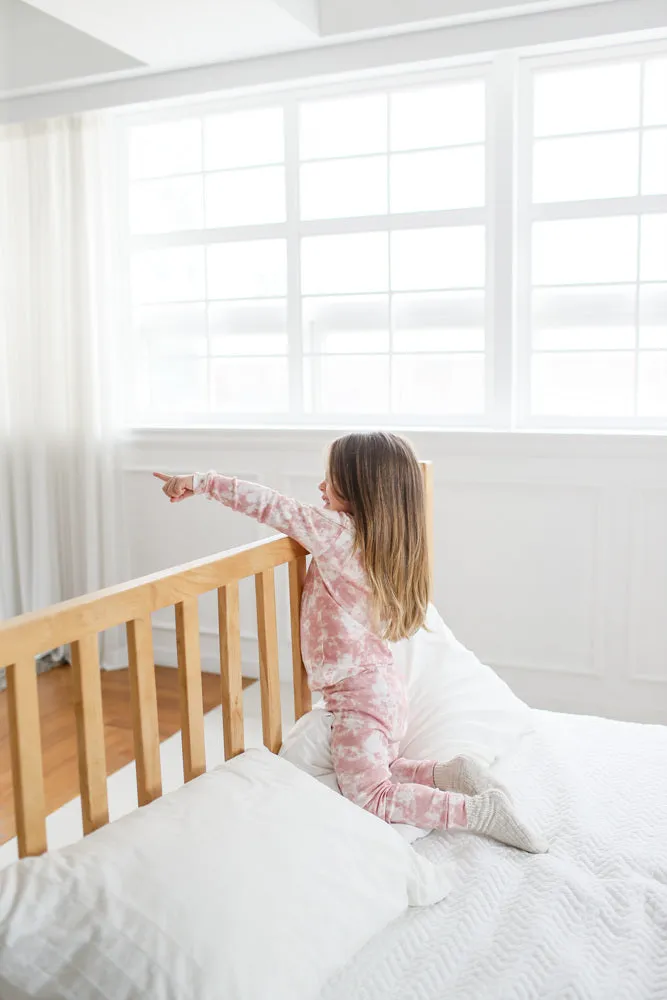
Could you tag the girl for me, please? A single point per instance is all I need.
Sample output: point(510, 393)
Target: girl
point(368, 584)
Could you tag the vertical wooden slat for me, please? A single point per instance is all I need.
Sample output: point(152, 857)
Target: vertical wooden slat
point(269, 675)
point(189, 674)
point(427, 475)
point(230, 669)
point(143, 696)
point(87, 696)
point(26, 750)
point(302, 696)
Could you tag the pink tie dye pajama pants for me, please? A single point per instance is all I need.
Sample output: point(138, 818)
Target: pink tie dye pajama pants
point(369, 719)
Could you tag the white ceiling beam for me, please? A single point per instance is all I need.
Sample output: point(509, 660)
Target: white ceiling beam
point(305, 11)
point(345, 16)
point(617, 19)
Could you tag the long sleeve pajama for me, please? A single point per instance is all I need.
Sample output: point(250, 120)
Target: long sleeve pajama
point(347, 661)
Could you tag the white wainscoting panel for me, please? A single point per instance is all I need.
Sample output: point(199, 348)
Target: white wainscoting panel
point(647, 660)
point(518, 573)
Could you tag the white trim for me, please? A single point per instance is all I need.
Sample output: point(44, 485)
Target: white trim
point(463, 42)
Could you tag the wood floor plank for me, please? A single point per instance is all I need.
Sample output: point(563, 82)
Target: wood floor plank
point(59, 741)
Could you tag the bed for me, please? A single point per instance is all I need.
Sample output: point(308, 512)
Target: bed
point(589, 919)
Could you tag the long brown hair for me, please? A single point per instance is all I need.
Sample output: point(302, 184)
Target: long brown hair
point(378, 474)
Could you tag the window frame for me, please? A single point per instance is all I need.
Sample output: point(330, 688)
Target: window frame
point(529, 212)
point(508, 214)
point(294, 229)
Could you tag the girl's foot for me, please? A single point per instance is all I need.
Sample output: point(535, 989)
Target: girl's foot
point(492, 815)
point(463, 774)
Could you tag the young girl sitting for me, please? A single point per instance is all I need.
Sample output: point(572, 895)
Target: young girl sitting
point(368, 584)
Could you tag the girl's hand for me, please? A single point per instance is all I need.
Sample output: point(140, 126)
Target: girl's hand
point(176, 487)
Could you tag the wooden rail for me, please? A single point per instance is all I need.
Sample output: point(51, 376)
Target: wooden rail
point(78, 623)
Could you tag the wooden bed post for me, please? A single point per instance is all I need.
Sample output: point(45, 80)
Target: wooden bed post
point(427, 475)
point(302, 697)
point(269, 671)
point(230, 669)
point(26, 748)
point(143, 699)
point(87, 694)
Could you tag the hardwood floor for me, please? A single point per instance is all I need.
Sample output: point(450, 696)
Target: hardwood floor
point(61, 778)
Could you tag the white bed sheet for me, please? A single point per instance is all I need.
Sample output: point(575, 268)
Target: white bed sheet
point(588, 920)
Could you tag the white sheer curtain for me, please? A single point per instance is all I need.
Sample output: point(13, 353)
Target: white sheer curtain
point(61, 531)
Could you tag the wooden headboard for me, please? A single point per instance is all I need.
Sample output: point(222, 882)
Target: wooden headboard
point(78, 623)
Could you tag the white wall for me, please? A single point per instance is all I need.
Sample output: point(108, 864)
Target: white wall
point(551, 550)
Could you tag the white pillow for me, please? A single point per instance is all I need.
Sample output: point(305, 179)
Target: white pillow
point(252, 881)
point(455, 705)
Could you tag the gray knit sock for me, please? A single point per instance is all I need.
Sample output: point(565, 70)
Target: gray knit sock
point(463, 774)
point(492, 815)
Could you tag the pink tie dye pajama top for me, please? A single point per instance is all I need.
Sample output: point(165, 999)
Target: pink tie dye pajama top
point(346, 660)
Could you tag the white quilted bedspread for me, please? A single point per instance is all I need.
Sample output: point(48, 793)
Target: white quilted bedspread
point(588, 921)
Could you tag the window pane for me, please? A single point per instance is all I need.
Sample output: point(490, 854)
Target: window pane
point(244, 139)
point(249, 385)
point(173, 329)
point(186, 318)
point(173, 275)
point(245, 197)
point(654, 248)
point(653, 316)
point(655, 92)
point(445, 178)
point(438, 116)
point(439, 321)
point(587, 99)
point(338, 384)
point(654, 161)
point(348, 263)
point(346, 324)
point(596, 166)
point(580, 251)
point(165, 149)
point(591, 318)
point(438, 384)
point(595, 384)
point(652, 384)
point(343, 127)
point(338, 188)
point(178, 385)
point(258, 328)
point(438, 258)
point(257, 269)
point(166, 206)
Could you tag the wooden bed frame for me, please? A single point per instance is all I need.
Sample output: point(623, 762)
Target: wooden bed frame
point(78, 623)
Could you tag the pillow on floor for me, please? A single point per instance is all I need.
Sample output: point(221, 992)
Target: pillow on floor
point(252, 881)
point(456, 705)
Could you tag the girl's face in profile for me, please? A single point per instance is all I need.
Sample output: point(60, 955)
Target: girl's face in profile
point(330, 498)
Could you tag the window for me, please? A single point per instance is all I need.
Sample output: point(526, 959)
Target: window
point(595, 240)
point(314, 259)
point(420, 251)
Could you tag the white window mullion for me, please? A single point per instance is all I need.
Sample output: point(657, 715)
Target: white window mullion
point(294, 332)
point(523, 249)
point(500, 130)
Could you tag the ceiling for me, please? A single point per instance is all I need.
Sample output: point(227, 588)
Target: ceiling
point(56, 43)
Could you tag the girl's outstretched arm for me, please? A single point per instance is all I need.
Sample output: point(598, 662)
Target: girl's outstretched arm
point(315, 529)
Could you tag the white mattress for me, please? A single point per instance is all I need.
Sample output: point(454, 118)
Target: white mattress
point(588, 920)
